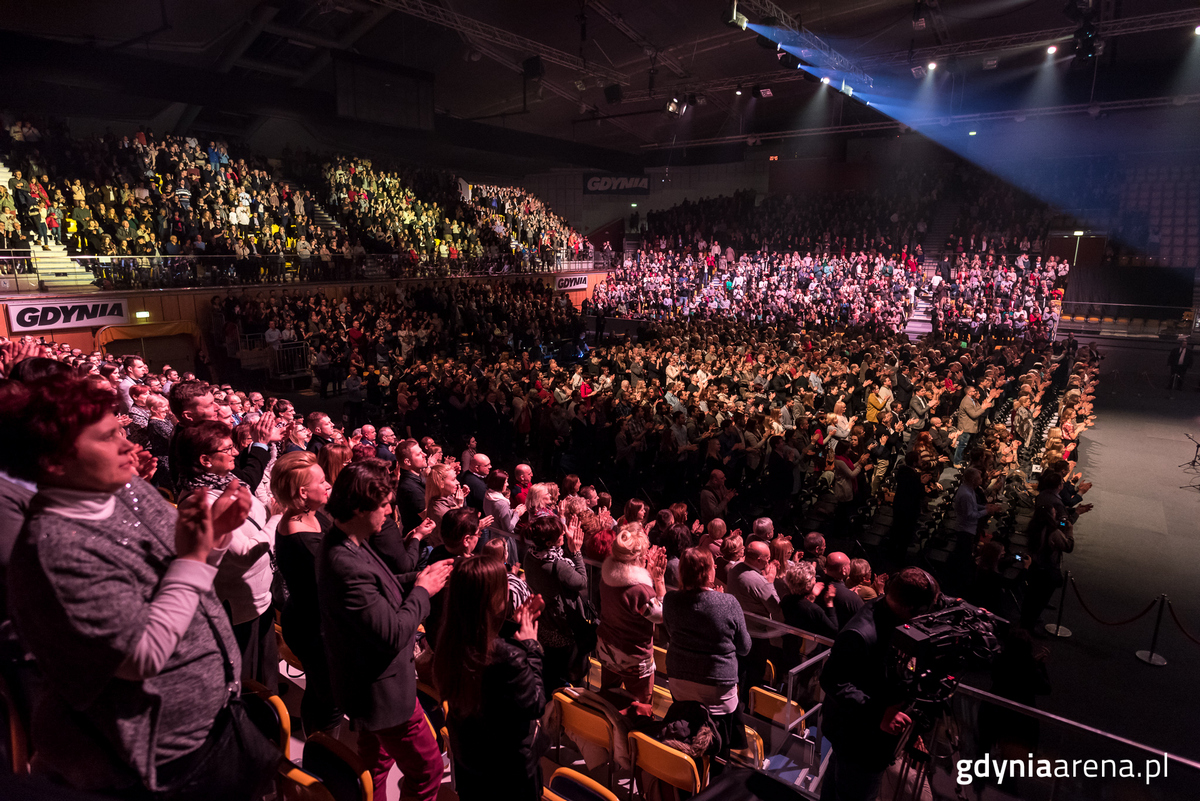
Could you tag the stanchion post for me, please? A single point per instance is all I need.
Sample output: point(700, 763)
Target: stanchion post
point(1057, 629)
point(1149, 657)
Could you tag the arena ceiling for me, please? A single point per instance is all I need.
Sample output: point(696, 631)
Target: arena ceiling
point(476, 51)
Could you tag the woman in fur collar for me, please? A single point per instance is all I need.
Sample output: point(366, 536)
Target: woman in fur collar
point(631, 594)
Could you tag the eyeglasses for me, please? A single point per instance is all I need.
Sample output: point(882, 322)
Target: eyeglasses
point(230, 449)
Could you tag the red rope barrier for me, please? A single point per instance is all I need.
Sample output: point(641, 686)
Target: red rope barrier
point(1179, 623)
point(1082, 603)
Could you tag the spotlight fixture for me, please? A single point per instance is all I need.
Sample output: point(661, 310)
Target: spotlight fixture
point(991, 63)
point(931, 66)
point(738, 91)
point(1085, 40)
point(1198, 30)
point(1051, 49)
point(675, 107)
point(970, 133)
point(761, 91)
point(733, 18)
point(919, 72)
point(825, 80)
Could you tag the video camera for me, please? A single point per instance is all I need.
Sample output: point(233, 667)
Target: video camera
point(931, 651)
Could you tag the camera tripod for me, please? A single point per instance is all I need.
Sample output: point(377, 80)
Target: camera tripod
point(918, 758)
point(1193, 465)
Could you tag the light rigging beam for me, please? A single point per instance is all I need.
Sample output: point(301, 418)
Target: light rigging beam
point(635, 36)
point(801, 37)
point(929, 122)
point(483, 32)
point(975, 47)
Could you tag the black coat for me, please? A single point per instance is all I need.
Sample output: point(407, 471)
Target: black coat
point(410, 500)
point(498, 747)
point(858, 690)
point(478, 487)
point(814, 618)
point(370, 629)
point(846, 603)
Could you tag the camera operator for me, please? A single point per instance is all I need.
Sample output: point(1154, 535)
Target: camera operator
point(863, 717)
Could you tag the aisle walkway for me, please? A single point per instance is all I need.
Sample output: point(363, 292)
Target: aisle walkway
point(919, 324)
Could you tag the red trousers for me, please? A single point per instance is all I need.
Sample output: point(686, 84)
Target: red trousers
point(412, 746)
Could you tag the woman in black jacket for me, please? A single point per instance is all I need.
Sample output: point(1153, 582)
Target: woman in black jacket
point(492, 685)
point(298, 484)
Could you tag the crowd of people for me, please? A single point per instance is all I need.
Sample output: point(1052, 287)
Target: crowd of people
point(148, 195)
point(531, 501)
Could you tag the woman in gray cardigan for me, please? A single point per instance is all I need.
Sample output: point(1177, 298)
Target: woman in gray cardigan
point(112, 591)
point(708, 634)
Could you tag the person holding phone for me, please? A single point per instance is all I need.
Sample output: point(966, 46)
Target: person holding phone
point(492, 685)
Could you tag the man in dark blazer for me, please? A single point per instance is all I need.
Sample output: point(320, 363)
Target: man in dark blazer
point(474, 478)
point(370, 631)
point(846, 602)
point(410, 490)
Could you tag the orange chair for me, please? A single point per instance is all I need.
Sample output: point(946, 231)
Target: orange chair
point(571, 785)
point(665, 764)
point(338, 768)
point(18, 733)
point(297, 784)
point(269, 714)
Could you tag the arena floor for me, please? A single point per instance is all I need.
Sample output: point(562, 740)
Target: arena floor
point(1142, 539)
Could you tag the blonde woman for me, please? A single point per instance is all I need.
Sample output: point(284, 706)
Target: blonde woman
point(442, 493)
point(299, 486)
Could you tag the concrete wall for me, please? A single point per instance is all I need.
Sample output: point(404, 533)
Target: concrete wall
point(669, 186)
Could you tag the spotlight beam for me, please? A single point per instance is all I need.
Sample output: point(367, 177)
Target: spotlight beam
point(793, 34)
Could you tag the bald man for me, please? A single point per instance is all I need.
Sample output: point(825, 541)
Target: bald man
point(474, 478)
point(846, 602)
point(752, 582)
point(521, 482)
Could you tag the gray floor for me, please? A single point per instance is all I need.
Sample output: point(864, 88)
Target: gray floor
point(1142, 539)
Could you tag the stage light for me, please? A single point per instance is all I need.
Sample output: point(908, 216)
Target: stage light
point(1077, 233)
point(970, 133)
point(1198, 30)
point(1085, 40)
point(761, 91)
point(931, 66)
point(919, 72)
point(787, 60)
point(1051, 49)
point(675, 108)
point(633, 205)
point(733, 18)
point(991, 63)
point(825, 80)
point(142, 315)
point(738, 91)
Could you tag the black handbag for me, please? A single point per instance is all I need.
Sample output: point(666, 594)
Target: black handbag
point(582, 618)
point(236, 762)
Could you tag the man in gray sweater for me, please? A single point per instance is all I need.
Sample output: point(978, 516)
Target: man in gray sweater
point(752, 582)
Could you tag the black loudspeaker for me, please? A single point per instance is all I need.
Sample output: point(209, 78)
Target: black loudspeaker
point(613, 93)
point(533, 68)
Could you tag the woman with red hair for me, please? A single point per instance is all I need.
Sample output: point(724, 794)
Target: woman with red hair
point(112, 591)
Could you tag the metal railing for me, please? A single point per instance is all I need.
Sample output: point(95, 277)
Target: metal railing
point(166, 272)
point(289, 359)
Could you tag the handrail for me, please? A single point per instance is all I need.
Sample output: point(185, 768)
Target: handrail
point(1050, 717)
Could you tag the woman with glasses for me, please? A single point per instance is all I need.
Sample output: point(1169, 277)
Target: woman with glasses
point(206, 455)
